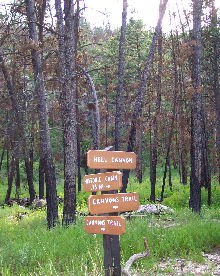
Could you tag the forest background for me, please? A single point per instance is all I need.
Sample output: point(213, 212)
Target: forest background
point(67, 87)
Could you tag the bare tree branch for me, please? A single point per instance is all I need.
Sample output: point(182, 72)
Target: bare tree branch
point(134, 258)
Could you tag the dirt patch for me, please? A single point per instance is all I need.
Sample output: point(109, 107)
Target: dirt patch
point(210, 266)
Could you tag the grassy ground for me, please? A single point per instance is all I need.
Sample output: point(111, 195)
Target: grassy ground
point(28, 248)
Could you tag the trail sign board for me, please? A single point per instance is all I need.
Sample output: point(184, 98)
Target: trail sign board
point(102, 159)
point(111, 203)
point(108, 225)
point(108, 181)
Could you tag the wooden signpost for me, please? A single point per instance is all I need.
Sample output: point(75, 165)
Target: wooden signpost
point(111, 226)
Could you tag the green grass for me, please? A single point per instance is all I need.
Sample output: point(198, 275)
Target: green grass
point(186, 240)
point(28, 248)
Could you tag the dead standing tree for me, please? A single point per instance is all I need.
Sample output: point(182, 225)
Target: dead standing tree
point(46, 151)
point(93, 107)
point(172, 123)
point(66, 13)
point(216, 87)
point(142, 88)
point(119, 95)
point(25, 148)
point(200, 173)
point(154, 135)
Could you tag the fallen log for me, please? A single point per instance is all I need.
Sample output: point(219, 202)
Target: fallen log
point(134, 258)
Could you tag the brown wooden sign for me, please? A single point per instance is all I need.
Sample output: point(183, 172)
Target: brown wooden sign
point(102, 159)
point(108, 181)
point(111, 203)
point(108, 225)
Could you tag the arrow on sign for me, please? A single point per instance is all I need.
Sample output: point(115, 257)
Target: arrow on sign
point(107, 203)
point(105, 225)
point(108, 186)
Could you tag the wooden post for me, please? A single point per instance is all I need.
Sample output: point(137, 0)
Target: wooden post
point(111, 246)
point(112, 265)
point(107, 204)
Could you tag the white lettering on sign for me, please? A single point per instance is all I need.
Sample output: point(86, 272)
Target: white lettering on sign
point(109, 225)
point(111, 178)
point(109, 203)
point(93, 180)
point(113, 222)
point(103, 222)
point(95, 222)
point(102, 181)
point(128, 198)
point(122, 160)
point(99, 159)
point(105, 200)
point(96, 187)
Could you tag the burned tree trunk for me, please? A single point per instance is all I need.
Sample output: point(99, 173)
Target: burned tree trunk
point(2, 157)
point(199, 152)
point(41, 173)
point(20, 123)
point(170, 135)
point(216, 86)
point(93, 107)
point(139, 167)
point(154, 138)
point(140, 93)
point(181, 119)
point(119, 95)
point(45, 146)
point(10, 178)
point(67, 45)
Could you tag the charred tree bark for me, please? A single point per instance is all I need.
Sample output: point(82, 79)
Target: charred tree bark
point(7, 161)
point(119, 95)
point(79, 178)
point(76, 32)
point(41, 178)
point(154, 138)
point(139, 167)
point(182, 124)
point(10, 87)
point(142, 88)
point(2, 158)
point(10, 178)
point(183, 150)
point(17, 171)
point(199, 151)
point(216, 86)
point(67, 42)
point(45, 146)
point(170, 136)
point(93, 107)
point(106, 108)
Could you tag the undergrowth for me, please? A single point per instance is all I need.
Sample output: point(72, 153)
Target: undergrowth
point(28, 248)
